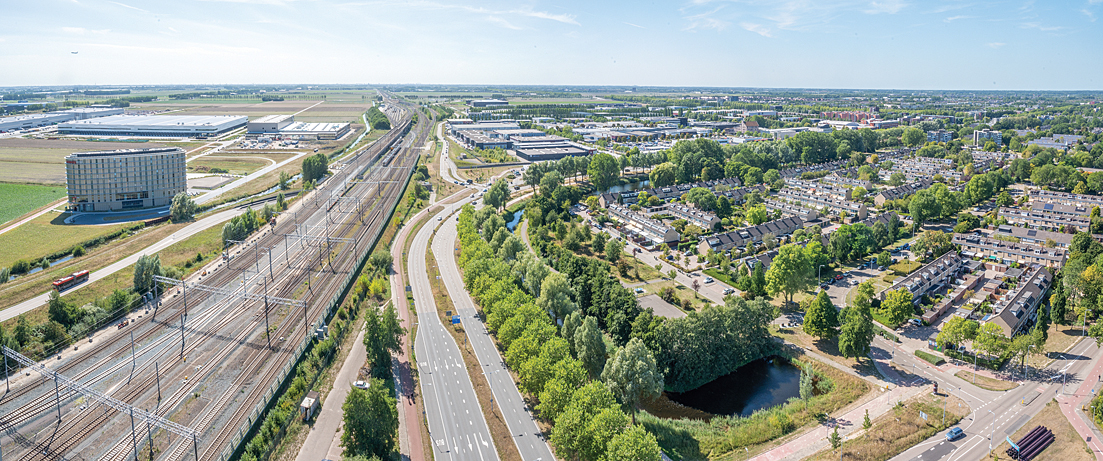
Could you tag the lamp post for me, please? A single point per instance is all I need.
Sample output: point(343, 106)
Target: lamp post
point(818, 279)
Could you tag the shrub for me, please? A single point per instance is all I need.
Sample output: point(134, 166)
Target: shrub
point(933, 359)
point(78, 251)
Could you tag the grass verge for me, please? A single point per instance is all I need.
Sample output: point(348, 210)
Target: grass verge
point(985, 382)
point(1067, 444)
point(19, 199)
point(45, 235)
point(899, 429)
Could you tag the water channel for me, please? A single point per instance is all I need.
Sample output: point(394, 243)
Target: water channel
point(760, 384)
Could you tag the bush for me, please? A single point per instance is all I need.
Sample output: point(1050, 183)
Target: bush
point(933, 359)
point(21, 266)
point(78, 251)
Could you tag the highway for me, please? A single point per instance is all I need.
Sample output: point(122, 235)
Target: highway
point(457, 426)
point(518, 416)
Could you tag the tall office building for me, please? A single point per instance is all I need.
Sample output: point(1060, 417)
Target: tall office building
point(124, 179)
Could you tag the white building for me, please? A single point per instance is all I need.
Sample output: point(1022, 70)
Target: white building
point(156, 126)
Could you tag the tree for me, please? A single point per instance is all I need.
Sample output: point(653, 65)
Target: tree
point(897, 307)
point(381, 260)
point(314, 167)
point(571, 432)
point(371, 421)
point(497, 195)
point(589, 346)
point(991, 340)
point(382, 336)
point(598, 242)
point(664, 174)
point(834, 438)
point(633, 444)
point(856, 334)
point(603, 171)
point(285, 180)
point(555, 296)
point(866, 423)
point(757, 215)
point(62, 311)
point(956, 331)
point(789, 272)
point(144, 270)
point(935, 242)
point(613, 250)
point(896, 179)
point(806, 388)
point(632, 376)
point(884, 259)
point(914, 137)
point(182, 208)
point(821, 320)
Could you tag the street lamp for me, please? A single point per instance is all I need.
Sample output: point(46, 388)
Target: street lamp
point(818, 280)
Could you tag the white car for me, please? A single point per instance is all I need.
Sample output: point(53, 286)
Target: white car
point(361, 385)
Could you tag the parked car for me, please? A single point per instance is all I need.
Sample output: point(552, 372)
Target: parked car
point(709, 280)
point(639, 290)
point(823, 287)
point(360, 385)
point(915, 322)
point(839, 277)
point(954, 433)
point(728, 291)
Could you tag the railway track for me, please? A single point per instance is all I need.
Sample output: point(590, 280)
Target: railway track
point(79, 429)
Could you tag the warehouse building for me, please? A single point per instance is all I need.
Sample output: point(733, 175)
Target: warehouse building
point(156, 126)
point(24, 122)
point(124, 179)
point(286, 126)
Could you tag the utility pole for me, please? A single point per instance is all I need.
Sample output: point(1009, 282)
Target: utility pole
point(267, 330)
point(132, 358)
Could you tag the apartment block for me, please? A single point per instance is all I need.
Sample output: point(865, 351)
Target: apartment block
point(1079, 200)
point(1035, 236)
point(1017, 310)
point(980, 137)
point(807, 214)
point(855, 209)
point(940, 136)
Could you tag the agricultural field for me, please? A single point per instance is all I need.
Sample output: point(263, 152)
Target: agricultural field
point(334, 113)
point(43, 160)
point(19, 199)
point(46, 234)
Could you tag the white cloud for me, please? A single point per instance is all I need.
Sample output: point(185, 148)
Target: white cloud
point(502, 22)
point(635, 25)
point(996, 45)
point(82, 31)
point(706, 21)
point(1089, 14)
point(756, 28)
point(1039, 26)
point(124, 5)
point(886, 6)
point(955, 18)
point(563, 18)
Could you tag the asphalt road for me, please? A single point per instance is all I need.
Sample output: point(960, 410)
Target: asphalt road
point(995, 415)
point(518, 416)
point(457, 427)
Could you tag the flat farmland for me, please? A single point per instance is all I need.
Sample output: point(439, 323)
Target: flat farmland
point(334, 113)
point(43, 160)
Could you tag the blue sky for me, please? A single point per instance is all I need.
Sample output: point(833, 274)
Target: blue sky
point(939, 44)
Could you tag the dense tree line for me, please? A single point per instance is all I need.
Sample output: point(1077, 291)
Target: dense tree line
point(377, 119)
point(315, 167)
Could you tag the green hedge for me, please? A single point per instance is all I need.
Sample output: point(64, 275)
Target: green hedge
point(933, 359)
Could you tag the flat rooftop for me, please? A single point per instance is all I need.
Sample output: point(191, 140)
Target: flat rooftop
point(121, 152)
point(159, 121)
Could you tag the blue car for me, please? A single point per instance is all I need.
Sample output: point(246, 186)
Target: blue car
point(954, 433)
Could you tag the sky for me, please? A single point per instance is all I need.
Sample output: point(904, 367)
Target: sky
point(890, 44)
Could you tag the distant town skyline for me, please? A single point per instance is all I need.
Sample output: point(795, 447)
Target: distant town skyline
point(884, 44)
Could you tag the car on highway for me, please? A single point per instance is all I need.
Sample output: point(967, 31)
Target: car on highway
point(954, 433)
point(440, 218)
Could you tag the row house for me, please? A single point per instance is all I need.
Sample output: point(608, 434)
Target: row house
point(843, 181)
point(1016, 311)
point(1036, 236)
point(1045, 220)
point(1060, 208)
point(668, 193)
point(897, 193)
point(796, 172)
point(740, 238)
point(807, 214)
point(937, 274)
point(704, 219)
point(813, 187)
point(979, 246)
point(649, 230)
point(856, 210)
point(1080, 200)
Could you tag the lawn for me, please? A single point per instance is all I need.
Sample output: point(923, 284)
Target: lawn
point(44, 235)
point(985, 382)
point(19, 199)
point(905, 267)
point(1067, 444)
point(899, 429)
point(829, 348)
point(1060, 339)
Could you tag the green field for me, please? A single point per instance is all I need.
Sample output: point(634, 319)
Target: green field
point(239, 165)
point(44, 235)
point(19, 199)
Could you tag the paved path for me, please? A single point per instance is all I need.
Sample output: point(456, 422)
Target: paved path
point(324, 436)
point(1072, 406)
point(254, 175)
point(30, 218)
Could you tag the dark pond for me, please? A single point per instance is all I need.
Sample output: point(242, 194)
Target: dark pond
point(760, 384)
point(512, 224)
point(629, 187)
